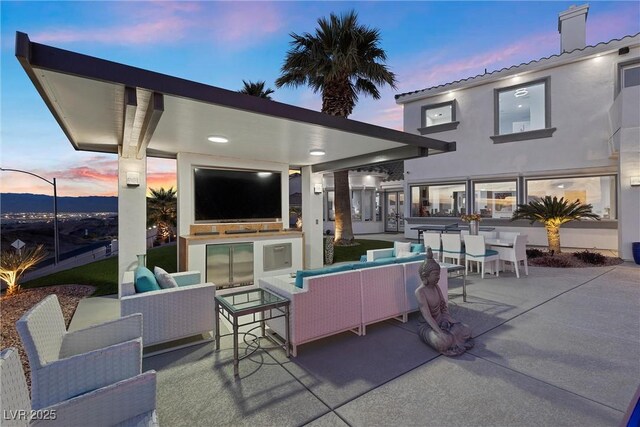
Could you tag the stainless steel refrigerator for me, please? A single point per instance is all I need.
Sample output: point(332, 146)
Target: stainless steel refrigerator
point(230, 264)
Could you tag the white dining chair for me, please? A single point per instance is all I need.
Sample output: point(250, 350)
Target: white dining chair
point(507, 235)
point(476, 251)
point(488, 234)
point(433, 240)
point(515, 254)
point(452, 247)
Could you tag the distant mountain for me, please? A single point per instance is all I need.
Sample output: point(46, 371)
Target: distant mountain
point(26, 202)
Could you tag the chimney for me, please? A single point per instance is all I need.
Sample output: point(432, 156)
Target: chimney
point(572, 26)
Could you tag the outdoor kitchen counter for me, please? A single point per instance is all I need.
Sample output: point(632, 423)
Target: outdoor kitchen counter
point(192, 247)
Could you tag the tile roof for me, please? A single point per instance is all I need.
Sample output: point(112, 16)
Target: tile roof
point(576, 53)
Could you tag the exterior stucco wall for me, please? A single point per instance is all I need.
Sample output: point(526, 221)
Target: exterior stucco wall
point(582, 94)
point(629, 158)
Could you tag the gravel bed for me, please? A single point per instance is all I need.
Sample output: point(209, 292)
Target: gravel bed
point(13, 307)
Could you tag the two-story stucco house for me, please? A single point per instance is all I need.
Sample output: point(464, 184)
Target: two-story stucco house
point(565, 125)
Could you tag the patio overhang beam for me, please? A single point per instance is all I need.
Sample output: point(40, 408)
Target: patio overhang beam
point(380, 157)
point(129, 113)
point(34, 57)
point(151, 119)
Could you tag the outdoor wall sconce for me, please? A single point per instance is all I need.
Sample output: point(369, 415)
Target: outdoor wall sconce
point(635, 181)
point(133, 179)
point(317, 188)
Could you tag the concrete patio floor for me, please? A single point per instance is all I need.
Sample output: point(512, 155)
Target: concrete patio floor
point(559, 347)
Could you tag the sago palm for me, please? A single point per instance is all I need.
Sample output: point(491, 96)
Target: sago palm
point(552, 213)
point(342, 59)
point(161, 211)
point(256, 89)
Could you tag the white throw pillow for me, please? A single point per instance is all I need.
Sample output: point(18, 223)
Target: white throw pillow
point(404, 254)
point(165, 280)
point(400, 247)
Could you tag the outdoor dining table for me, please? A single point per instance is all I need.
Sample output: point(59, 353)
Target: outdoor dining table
point(498, 242)
point(445, 228)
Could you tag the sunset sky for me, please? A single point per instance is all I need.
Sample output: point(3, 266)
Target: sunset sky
point(221, 43)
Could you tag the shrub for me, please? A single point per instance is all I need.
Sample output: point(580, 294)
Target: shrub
point(535, 253)
point(590, 257)
point(13, 264)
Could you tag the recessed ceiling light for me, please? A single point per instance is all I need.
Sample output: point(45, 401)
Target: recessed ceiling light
point(218, 139)
point(264, 174)
point(316, 152)
point(519, 105)
point(560, 185)
point(521, 92)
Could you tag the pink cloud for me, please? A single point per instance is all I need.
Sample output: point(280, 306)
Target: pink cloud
point(432, 72)
point(233, 25)
point(142, 23)
point(160, 31)
point(607, 26)
point(240, 23)
point(162, 180)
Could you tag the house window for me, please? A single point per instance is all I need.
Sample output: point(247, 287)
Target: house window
point(367, 205)
point(630, 75)
point(522, 112)
point(378, 207)
point(598, 191)
point(495, 199)
point(438, 117)
point(438, 200)
point(356, 205)
point(331, 210)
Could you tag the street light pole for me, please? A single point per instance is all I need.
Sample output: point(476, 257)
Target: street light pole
point(56, 240)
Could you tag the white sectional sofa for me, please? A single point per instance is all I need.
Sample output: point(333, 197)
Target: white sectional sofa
point(347, 300)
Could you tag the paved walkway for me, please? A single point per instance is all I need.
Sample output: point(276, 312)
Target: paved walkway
point(559, 347)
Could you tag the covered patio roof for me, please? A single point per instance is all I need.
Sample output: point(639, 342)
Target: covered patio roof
point(103, 106)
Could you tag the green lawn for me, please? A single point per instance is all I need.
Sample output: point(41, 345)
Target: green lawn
point(104, 274)
point(353, 253)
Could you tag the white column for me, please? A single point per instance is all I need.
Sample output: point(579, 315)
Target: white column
point(312, 219)
point(629, 158)
point(132, 213)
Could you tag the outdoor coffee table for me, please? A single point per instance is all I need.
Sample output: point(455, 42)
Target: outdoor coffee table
point(260, 305)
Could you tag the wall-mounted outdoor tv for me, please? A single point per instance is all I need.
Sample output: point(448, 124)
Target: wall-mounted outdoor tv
point(225, 195)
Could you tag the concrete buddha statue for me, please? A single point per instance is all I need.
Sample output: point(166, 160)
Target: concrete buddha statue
point(442, 332)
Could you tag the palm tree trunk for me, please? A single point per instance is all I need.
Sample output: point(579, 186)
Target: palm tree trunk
point(344, 229)
point(553, 236)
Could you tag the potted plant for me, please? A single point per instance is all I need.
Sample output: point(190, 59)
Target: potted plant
point(474, 222)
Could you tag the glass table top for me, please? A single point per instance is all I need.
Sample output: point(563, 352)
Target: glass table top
point(249, 300)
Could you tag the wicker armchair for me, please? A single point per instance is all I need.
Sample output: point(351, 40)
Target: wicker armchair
point(128, 402)
point(67, 364)
point(171, 314)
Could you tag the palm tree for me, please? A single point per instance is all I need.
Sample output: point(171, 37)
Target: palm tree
point(161, 211)
point(256, 89)
point(553, 213)
point(342, 60)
